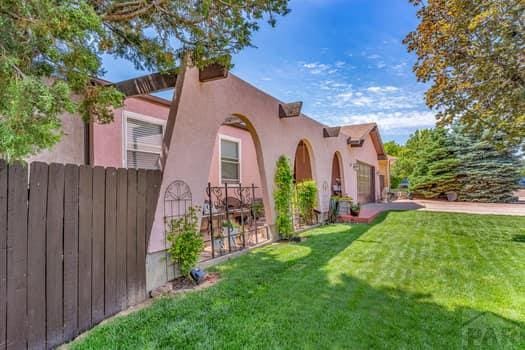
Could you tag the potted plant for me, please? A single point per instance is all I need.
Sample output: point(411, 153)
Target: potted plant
point(452, 196)
point(257, 209)
point(355, 208)
point(232, 228)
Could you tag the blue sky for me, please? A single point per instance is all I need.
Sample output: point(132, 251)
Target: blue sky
point(343, 58)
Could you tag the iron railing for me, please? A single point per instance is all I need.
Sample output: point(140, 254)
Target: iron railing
point(233, 219)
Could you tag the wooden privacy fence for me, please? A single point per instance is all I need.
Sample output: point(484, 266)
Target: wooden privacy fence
point(72, 248)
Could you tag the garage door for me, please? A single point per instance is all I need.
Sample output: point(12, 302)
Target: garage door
point(365, 183)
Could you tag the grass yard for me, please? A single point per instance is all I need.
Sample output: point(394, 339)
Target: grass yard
point(411, 280)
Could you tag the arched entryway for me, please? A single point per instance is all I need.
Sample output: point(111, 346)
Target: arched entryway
point(302, 163)
point(234, 210)
point(337, 175)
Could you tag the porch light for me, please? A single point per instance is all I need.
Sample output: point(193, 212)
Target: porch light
point(355, 166)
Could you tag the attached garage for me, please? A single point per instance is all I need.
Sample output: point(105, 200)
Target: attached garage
point(365, 183)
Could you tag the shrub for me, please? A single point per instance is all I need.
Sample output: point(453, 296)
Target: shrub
point(306, 193)
point(186, 243)
point(282, 195)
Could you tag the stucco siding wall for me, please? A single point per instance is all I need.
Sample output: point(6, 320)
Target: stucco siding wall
point(108, 142)
point(202, 110)
point(71, 147)
point(249, 166)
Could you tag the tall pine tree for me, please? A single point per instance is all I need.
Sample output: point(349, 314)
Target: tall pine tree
point(435, 171)
point(486, 173)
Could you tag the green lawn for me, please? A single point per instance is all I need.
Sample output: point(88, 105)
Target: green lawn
point(411, 280)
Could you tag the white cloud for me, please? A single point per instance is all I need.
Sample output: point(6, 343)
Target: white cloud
point(319, 68)
point(375, 98)
point(373, 57)
point(382, 89)
point(394, 121)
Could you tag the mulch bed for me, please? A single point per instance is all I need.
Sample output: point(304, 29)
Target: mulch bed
point(184, 285)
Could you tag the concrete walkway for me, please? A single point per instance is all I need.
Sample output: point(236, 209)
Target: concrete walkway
point(452, 207)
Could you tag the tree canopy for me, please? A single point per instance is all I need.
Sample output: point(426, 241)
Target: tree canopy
point(437, 161)
point(473, 54)
point(51, 49)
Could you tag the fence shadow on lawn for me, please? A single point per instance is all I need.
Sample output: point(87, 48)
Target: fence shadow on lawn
point(286, 296)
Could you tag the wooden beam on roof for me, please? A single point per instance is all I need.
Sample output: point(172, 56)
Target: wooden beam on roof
point(331, 132)
point(212, 72)
point(355, 143)
point(147, 84)
point(290, 110)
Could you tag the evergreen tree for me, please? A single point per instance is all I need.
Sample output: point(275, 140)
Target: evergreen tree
point(435, 170)
point(486, 173)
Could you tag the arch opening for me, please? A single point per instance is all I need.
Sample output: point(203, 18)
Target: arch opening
point(234, 214)
point(337, 183)
point(303, 163)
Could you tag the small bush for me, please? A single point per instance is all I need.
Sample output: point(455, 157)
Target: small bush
point(306, 196)
point(186, 243)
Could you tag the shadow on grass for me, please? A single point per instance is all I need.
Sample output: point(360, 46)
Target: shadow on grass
point(518, 238)
point(280, 297)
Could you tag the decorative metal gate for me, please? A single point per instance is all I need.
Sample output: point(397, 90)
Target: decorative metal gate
point(233, 219)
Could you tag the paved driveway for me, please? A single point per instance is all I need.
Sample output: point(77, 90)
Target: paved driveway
point(463, 207)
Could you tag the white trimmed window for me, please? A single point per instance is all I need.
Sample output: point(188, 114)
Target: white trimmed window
point(143, 141)
point(230, 154)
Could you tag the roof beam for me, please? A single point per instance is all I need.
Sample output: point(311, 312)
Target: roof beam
point(331, 132)
point(355, 143)
point(290, 110)
point(213, 71)
point(147, 84)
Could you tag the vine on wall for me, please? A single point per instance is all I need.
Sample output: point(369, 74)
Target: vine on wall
point(282, 195)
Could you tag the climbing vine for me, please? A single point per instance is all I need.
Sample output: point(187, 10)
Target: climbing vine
point(306, 197)
point(282, 195)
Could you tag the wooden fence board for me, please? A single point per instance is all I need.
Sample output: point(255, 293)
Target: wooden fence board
point(71, 251)
point(141, 233)
point(54, 259)
point(17, 257)
point(73, 247)
point(85, 230)
point(131, 243)
point(3, 253)
point(97, 286)
point(152, 195)
point(110, 296)
point(121, 247)
point(36, 264)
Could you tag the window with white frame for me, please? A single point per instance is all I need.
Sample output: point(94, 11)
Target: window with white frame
point(143, 143)
point(230, 160)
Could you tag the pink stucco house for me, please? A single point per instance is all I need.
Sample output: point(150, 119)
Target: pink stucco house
point(226, 133)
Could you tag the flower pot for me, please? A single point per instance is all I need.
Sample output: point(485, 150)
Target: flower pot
point(452, 196)
point(354, 212)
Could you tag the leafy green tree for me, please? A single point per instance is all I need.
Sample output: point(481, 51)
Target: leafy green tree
point(472, 53)
point(51, 49)
point(392, 148)
point(485, 173)
point(283, 196)
point(435, 170)
point(409, 154)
